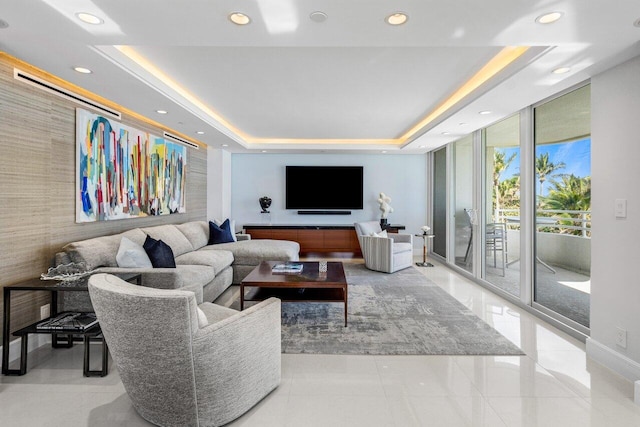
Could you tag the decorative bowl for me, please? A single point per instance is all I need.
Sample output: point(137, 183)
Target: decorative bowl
point(67, 272)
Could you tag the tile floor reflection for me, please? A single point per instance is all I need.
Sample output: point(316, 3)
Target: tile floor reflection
point(554, 384)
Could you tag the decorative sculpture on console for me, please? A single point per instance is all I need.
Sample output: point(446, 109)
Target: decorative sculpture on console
point(385, 207)
point(265, 202)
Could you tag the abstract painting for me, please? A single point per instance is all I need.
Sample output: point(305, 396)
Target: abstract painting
point(124, 172)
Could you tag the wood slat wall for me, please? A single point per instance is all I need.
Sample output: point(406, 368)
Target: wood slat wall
point(37, 188)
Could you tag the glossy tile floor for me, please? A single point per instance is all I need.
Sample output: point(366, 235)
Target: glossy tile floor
point(552, 385)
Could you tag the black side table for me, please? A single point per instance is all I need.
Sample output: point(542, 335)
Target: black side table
point(60, 338)
point(63, 338)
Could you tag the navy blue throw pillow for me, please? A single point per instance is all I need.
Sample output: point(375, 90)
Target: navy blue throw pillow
point(221, 234)
point(159, 253)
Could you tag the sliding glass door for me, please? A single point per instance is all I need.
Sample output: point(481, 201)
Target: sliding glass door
point(501, 225)
point(440, 202)
point(519, 206)
point(563, 205)
point(464, 214)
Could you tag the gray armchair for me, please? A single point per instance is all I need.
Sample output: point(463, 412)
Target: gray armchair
point(384, 254)
point(183, 364)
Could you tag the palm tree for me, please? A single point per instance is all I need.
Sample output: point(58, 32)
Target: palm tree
point(571, 193)
point(508, 191)
point(500, 164)
point(545, 168)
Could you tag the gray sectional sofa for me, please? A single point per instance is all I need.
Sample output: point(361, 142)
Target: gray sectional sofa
point(208, 270)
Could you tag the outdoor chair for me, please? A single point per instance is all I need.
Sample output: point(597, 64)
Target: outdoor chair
point(495, 241)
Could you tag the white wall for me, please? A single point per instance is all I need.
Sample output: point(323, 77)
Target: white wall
point(615, 281)
point(401, 177)
point(218, 184)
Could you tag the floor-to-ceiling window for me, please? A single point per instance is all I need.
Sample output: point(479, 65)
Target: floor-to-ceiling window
point(501, 151)
point(440, 202)
point(538, 251)
point(463, 212)
point(562, 129)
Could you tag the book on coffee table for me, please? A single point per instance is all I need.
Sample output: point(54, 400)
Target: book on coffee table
point(69, 321)
point(287, 267)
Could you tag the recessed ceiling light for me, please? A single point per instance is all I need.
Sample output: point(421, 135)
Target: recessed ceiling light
point(200, 132)
point(635, 24)
point(422, 146)
point(82, 70)
point(446, 133)
point(561, 70)
point(239, 18)
point(397, 18)
point(485, 112)
point(383, 151)
point(3, 24)
point(318, 16)
point(225, 145)
point(161, 111)
point(264, 151)
point(549, 18)
point(89, 18)
point(462, 124)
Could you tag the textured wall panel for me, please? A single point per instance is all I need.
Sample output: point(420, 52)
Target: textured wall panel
point(37, 187)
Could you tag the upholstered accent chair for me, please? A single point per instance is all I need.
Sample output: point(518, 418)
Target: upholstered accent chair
point(386, 254)
point(184, 364)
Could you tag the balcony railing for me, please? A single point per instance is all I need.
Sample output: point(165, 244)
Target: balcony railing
point(559, 221)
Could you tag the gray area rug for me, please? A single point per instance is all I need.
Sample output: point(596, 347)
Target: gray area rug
point(401, 313)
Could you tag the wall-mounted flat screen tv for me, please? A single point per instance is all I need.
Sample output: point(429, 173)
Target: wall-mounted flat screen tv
point(324, 187)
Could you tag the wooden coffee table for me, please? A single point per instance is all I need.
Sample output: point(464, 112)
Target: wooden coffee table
point(308, 286)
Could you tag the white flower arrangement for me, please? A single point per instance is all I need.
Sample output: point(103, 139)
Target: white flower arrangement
point(385, 207)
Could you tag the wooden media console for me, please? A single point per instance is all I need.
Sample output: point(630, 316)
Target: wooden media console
point(314, 238)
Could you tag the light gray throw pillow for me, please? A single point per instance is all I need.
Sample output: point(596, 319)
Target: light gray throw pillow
point(383, 233)
point(132, 255)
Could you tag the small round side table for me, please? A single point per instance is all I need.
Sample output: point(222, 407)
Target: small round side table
point(424, 262)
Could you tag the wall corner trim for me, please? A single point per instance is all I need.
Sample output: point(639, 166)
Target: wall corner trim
point(613, 360)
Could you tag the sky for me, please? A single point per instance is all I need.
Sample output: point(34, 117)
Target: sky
point(576, 155)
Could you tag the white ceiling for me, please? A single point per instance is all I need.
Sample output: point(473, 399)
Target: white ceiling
point(352, 77)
